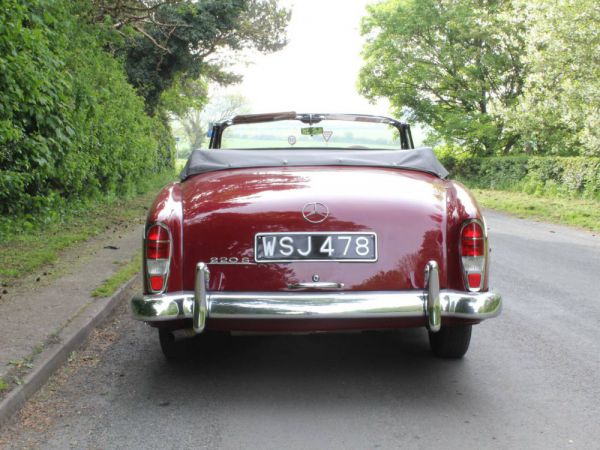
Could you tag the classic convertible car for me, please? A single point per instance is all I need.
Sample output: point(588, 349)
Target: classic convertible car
point(314, 222)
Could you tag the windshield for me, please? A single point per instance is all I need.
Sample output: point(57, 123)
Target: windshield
point(324, 134)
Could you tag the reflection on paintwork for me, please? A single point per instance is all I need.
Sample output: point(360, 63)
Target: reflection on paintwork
point(408, 269)
point(218, 192)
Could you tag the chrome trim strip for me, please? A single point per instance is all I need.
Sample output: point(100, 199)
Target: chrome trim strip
point(314, 305)
point(316, 285)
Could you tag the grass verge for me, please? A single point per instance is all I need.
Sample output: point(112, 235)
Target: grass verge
point(575, 212)
point(35, 246)
point(110, 286)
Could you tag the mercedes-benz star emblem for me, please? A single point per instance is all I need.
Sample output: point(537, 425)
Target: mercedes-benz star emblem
point(315, 212)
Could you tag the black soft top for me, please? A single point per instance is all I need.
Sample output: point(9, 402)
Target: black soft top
point(420, 159)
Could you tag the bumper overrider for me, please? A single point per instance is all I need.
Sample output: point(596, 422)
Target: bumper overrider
point(431, 303)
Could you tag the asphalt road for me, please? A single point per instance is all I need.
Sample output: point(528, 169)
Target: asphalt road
point(531, 378)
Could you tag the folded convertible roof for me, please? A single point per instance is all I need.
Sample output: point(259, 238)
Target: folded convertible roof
point(420, 159)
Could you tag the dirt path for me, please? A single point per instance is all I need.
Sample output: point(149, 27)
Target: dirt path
point(35, 309)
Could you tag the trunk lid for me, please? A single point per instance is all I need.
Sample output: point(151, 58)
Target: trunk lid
point(224, 210)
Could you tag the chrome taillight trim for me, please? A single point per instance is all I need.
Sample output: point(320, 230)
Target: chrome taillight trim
point(145, 264)
point(481, 223)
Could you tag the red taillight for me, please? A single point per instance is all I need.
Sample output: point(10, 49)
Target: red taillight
point(472, 240)
point(158, 254)
point(158, 250)
point(158, 244)
point(156, 282)
point(474, 280)
point(158, 233)
point(473, 254)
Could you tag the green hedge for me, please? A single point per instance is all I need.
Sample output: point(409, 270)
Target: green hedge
point(71, 126)
point(544, 175)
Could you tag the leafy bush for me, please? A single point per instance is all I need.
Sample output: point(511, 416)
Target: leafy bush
point(71, 126)
point(542, 175)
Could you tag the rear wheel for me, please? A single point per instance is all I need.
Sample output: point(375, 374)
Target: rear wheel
point(451, 342)
point(174, 349)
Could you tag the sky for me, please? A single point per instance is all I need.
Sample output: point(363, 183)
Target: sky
point(318, 70)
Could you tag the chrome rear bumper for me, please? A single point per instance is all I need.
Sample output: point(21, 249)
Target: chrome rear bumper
point(432, 303)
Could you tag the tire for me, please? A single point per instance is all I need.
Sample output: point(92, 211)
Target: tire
point(451, 342)
point(174, 350)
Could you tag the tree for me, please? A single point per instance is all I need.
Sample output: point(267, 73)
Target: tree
point(167, 39)
point(451, 64)
point(195, 122)
point(559, 112)
point(184, 95)
point(225, 107)
point(71, 125)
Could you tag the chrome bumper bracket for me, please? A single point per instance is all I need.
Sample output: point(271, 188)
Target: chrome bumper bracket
point(433, 307)
point(200, 310)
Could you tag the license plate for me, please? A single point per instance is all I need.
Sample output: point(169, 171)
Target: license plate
point(316, 246)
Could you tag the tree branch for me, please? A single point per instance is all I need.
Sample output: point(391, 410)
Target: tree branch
point(150, 38)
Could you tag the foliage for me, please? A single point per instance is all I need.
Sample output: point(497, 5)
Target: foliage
point(559, 113)
point(71, 123)
point(452, 64)
point(23, 252)
point(184, 95)
point(34, 116)
point(118, 279)
point(569, 211)
point(196, 122)
point(495, 76)
point(166, 41)
point(225, 107)
point(71, 126)
point(570, 177)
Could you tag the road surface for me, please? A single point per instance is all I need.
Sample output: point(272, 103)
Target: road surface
point(531, 378)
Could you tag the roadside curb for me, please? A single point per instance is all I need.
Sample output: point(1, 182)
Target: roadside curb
point(71, 338)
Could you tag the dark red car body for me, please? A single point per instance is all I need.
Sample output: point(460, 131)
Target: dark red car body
point(214, 217)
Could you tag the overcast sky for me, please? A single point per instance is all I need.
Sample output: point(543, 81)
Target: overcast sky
point(317, 71)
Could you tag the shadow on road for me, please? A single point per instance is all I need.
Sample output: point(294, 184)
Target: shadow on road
point(358, 390)
point(316, 371)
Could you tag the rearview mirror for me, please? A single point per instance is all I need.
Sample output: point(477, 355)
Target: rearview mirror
point(311, 131)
